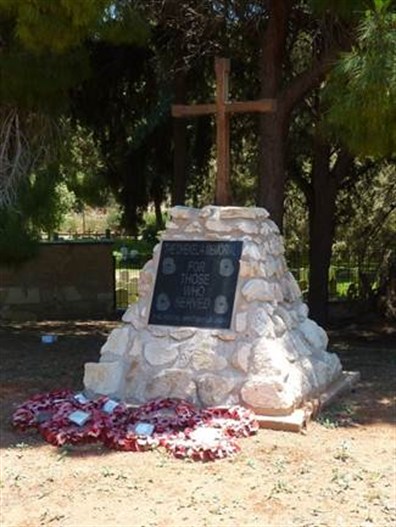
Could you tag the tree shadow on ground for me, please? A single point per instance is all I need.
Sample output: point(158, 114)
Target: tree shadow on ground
point(29, 367)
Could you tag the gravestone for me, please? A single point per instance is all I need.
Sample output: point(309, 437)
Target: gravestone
point(220, 321)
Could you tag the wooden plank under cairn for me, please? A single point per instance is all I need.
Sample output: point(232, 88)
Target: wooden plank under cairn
point(299, 419)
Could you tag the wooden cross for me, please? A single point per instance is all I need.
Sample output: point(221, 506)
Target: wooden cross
point(222, 108)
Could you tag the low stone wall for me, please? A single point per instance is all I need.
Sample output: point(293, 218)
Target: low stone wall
point(65, 280)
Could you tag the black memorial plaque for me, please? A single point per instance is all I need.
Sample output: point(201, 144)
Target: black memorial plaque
point(195, 284)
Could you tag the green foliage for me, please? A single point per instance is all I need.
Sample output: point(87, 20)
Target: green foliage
point(344, 8)
point(44, 46)
point(18, 241)
point(150, 229)
point(82, 167)
point(367, 219)
point(43, 200)
point(60, 25)
point(361, 92)
point(49, 79)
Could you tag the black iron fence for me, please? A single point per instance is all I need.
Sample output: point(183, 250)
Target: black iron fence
point(347, 280)
point(127, 269)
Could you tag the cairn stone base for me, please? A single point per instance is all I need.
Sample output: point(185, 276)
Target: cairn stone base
point(273, 358)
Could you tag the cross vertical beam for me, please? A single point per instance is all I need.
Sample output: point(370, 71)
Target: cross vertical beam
point(222, 192)
point(222, 108)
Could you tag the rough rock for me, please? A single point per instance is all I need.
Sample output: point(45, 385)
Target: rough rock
point(271, 358)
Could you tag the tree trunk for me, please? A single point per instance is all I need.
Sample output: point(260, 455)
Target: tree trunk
point(273, 126)
point(272, 167)
point(325, 183)
point(321, 231)
point(180, 145)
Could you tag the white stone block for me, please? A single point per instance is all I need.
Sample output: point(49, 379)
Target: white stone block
point(171, 383)
point(258, 289)
point(241, 322)
point(207, 360)
point(250, 269)
point(247, 227)
point(272, 226)
point(118, 341)
point(314, 334)
point(271, 264)
point(143, 310)
point(279, 325)
point(290, 288)
point(241, 357)
point(307, 370)
point(251, 251)
point(301, 382)
point(136, 348)
point(210, 211)
point(182, 333)
point(181, 212)
point(285, 316)
point(295, 347)
point(268, 358)
point(248, 213)
point(195, 226)
point(104, 378)
point(149, 266)
point(333, 364)
point(322, 373)
point(269, 397)
point(171, 226)
point(214, 389)
point(260, 323)
point(160, 353)
point(302, 311)
point(132, 316)
point(225, 335)
point(218, 226)
point(159, 331)
point(277, 292)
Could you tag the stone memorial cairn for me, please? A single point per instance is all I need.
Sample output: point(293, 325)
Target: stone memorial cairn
point(272, 359)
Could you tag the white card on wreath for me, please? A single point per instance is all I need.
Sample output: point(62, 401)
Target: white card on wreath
point(144, 429)
point(80, 397)
point(109, 406)
point(79, 417)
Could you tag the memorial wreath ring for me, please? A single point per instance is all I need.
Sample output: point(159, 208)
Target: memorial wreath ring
point(183, 429)
point(27, 415)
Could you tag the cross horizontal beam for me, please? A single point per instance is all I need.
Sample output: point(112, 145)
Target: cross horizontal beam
point(221, 109)
point(261, 105)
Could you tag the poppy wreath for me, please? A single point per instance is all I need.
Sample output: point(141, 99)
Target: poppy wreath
point(29, 414)
point(168, 415)
point(179, 426)
point(184, 445)
point(49, 414)
point(59, 430)
point(235, 421)
point(119, 433)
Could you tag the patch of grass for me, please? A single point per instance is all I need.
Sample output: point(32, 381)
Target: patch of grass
point(343, 452)
point(337, 415)
point(280, 487)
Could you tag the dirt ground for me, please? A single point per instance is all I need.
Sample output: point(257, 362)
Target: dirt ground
point(341, 472)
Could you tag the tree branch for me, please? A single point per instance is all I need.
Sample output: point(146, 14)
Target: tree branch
point(306, 81)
